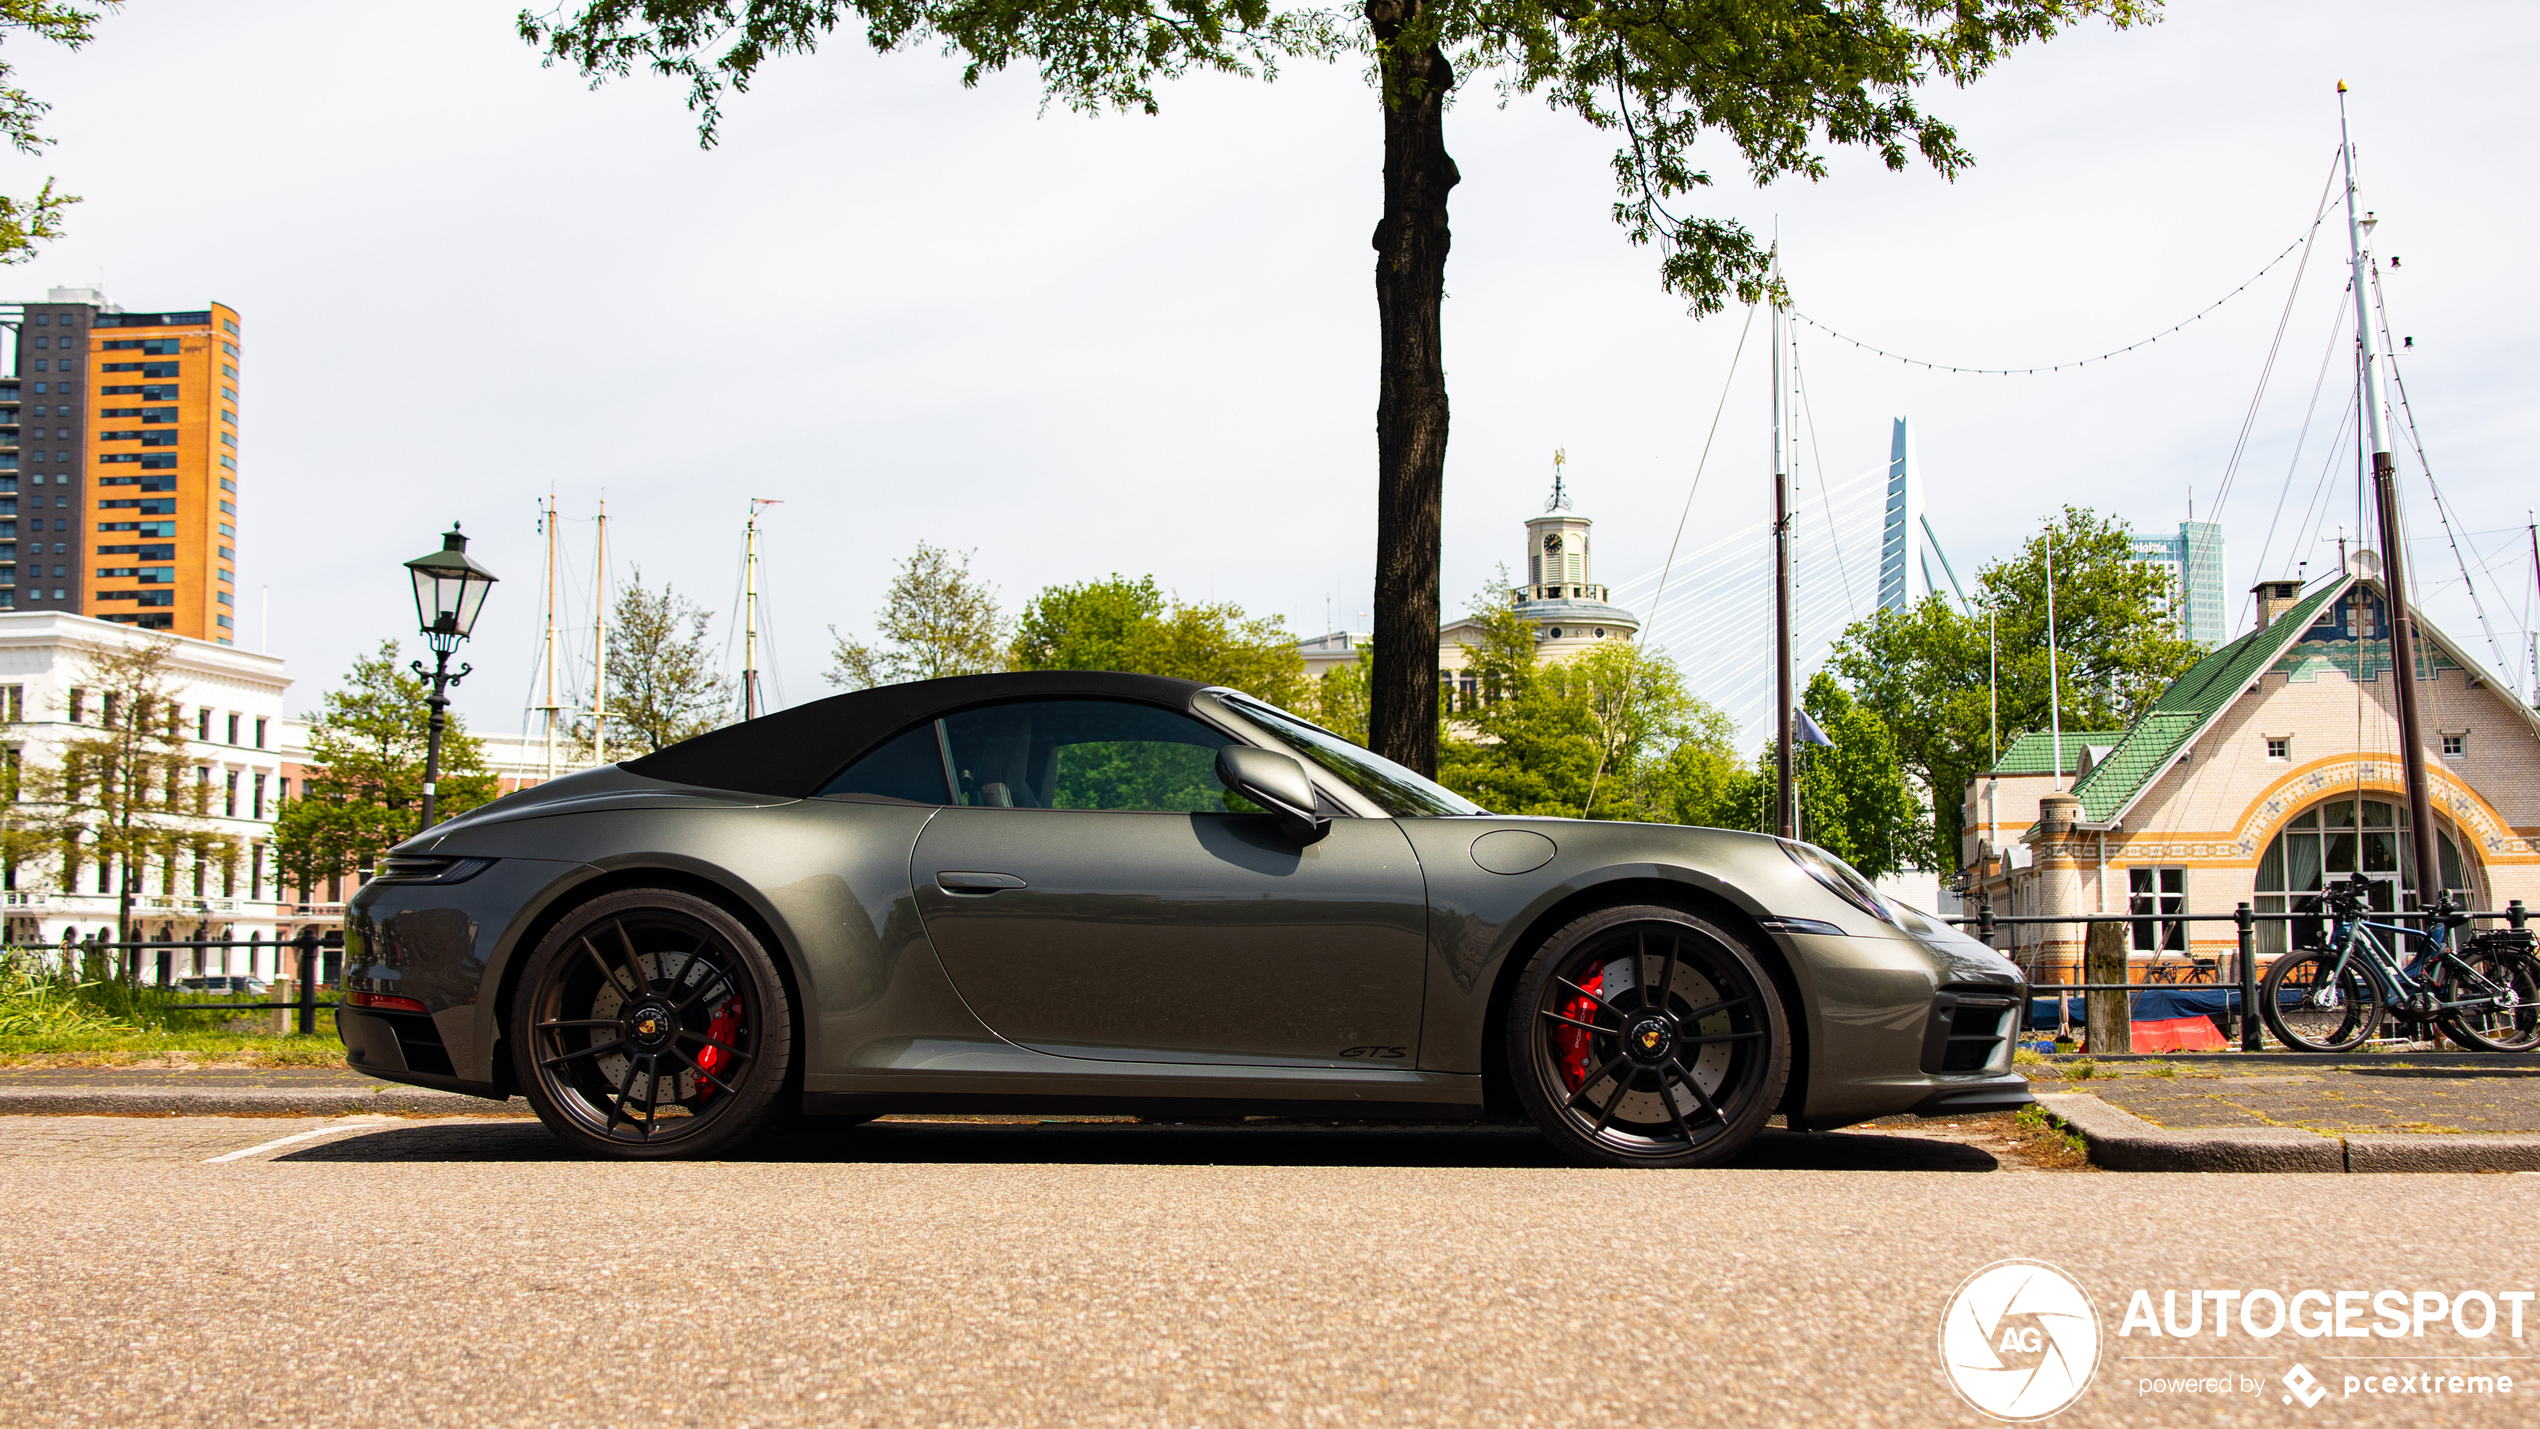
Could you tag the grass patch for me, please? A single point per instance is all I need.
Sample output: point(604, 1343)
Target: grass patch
point(2084, 1070)
point(2155, 1067)
point(2047, 1142)
point(2027, 1057)
point(132, 1047)
point(89, 1017)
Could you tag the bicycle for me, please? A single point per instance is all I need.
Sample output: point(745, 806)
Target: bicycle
point(2333, 999)
point(2194, 972)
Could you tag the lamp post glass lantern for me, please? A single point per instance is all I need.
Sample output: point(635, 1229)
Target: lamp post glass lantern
point(449, 590)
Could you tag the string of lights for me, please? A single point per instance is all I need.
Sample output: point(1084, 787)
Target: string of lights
point(2046, 367)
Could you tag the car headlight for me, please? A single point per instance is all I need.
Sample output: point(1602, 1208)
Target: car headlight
point(1841, 880)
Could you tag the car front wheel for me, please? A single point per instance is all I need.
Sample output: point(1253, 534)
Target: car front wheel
point(1648, 1037)
point(651, 1023)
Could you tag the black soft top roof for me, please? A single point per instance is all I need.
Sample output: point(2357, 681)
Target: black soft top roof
point(792, 753)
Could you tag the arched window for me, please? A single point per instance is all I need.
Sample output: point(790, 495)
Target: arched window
point(2334, 840)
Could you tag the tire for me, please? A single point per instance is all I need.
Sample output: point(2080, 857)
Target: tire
point(1645, 1036)
point(2308, 1014)
point(2514, 1028)
point(651, 1024)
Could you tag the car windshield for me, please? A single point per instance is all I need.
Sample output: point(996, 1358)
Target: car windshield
point(1394, 789)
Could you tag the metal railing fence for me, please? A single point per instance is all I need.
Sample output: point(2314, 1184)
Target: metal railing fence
point(308, 945)
point(2245, 918)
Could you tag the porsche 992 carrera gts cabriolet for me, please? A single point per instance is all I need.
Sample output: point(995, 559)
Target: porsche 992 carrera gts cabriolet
point(1081, 892)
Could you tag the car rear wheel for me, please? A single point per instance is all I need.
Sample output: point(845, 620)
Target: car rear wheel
point(650, 1024)
point(1648, 1037)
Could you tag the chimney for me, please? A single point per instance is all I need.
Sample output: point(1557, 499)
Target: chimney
point(2274, 598)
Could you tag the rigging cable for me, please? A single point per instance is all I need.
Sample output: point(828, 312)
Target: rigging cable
point(1816, 458)
point(1647, 630)
point(2266, 371)
point(2442, 508)
point(2301, 437)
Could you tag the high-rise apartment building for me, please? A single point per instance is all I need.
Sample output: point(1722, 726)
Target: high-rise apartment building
point(2192, 563)
point(126, 464)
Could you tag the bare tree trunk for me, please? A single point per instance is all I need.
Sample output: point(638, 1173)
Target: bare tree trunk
point(1411, 410)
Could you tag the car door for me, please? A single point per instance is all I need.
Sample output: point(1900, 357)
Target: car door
point(1096, 892)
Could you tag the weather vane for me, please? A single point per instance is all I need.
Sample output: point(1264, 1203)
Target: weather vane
point(1560, 499)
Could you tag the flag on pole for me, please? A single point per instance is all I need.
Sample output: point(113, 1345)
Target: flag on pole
point(1806, 732)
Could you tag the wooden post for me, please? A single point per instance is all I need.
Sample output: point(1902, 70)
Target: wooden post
point(2108, 1016)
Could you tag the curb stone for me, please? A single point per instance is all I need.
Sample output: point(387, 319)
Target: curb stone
point(2122, 1141)
point(2440, 1151)
point(242, 1101)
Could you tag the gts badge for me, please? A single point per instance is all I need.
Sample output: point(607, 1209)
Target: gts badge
point(1375, 1054)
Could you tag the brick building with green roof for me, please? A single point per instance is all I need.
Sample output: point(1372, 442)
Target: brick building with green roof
point(2267, 769)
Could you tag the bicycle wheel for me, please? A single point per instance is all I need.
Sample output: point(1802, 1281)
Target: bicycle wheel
point(2310, 1011)
point(2510, 1020)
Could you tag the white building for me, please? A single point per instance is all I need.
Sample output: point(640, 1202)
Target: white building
point(231, 704)
point(1561, 599)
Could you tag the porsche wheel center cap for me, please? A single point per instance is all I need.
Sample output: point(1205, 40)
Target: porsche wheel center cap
point(1649, 1040)
point(649, 1026)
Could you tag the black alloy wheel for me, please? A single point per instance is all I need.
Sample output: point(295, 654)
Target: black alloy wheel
point(2313, 1008)
point(2508, 1017)
point(650, 1023)
point(1645, 1036)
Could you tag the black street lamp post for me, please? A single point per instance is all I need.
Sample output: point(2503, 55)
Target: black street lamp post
point(449, 590)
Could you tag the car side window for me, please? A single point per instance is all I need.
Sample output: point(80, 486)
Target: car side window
point(1087, 754)
point(909, 766)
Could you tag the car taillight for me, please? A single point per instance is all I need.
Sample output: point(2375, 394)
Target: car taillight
point(388, 1000)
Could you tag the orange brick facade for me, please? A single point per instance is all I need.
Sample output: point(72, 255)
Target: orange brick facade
point(160, 529)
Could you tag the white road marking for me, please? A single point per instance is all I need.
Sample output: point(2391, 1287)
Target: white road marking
point(282, 1141)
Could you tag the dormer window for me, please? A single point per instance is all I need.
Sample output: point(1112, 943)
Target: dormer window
point(2280, 747)
point(2455, 743)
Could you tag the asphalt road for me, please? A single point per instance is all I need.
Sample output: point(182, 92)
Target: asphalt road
point(461, 1273)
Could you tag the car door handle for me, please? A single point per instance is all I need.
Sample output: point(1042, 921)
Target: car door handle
point(977, 883)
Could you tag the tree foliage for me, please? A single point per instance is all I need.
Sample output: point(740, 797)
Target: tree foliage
point(1783, 81)
point(1856, 799)
point(663, 684)
point(1602, 735)
point(1923, 672)
point(1780, 81)
point(363, 793)
point(938, 620)
point(24, 223)
point(116, 790)
point(1120, 624)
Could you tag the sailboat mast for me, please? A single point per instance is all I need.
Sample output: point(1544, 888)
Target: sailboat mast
point(2054, 668)
point(749, 617)
point(600, 639)
point(2385, 491)
point(550, 709)
point(1786, 803)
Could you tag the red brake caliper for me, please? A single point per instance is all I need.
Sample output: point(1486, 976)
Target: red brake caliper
point(1573, 1041)
point(725, 1028)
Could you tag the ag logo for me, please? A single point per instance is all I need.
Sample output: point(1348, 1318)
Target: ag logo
point(2019, 1340)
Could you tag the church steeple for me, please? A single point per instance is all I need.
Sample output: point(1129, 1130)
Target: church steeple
point(1557, 547)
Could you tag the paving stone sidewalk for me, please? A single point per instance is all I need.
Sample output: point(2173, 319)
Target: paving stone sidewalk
point(2334, 1101)
point(162, 1075)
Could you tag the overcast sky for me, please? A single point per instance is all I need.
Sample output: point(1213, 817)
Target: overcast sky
point(1082, 345)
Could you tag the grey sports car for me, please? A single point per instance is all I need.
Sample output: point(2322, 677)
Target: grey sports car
point(1079, 892)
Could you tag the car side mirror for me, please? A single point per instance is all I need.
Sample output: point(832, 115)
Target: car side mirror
point(1276, 782)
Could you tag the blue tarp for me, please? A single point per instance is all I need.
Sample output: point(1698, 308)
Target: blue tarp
point(2158, 1005)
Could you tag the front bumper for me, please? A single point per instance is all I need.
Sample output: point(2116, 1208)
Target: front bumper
point(1907, 1026)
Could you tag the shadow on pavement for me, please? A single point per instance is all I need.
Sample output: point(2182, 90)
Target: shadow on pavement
point(2447, 1074)
point(1150, 1145)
